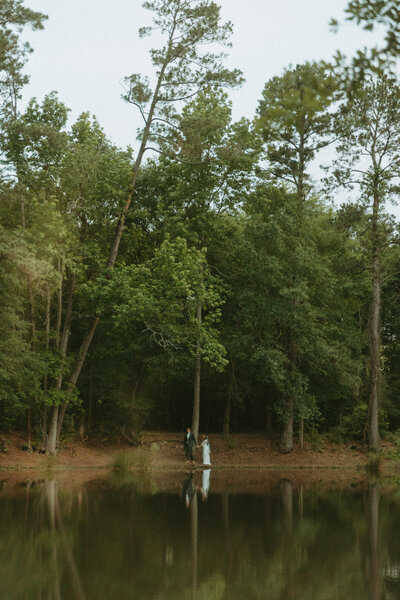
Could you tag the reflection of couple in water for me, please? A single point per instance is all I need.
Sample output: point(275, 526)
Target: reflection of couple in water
point(189, 443)
point(189, 488)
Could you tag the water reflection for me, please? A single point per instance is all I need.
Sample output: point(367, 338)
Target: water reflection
point(205, 484)
point(375, 558)
point(121, 539)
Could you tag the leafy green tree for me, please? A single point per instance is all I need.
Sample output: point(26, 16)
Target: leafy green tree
point(94, 181)
point(182, 69)
point(369, 161)
point(291, 300)
point(379, 60)
point(14, 18)
point(163, 295)
point(378, 12)
point(295, 120)
point(21, 364)
point(213, 173)
point(33, 144)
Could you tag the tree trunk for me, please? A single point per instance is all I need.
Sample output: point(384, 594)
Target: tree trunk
point(286, 441)
point(59, 305)
point(53, 430)
point(226, 426)
point(227, 416)
point(45, 376)
point(115, 246)
point(90, 398)
point(301, 433)
point(374, 338)
point(28, 278)
point(75, 374)
point(197, 376)
point(52, 437)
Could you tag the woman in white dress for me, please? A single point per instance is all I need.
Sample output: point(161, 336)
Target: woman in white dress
point(205, 444)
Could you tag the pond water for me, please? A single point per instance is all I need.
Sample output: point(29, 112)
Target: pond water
point(114, 538)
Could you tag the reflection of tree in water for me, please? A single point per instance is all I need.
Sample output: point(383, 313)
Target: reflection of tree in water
point(194, 528)
point(319, 545)
point(35, 550)
point(311, 551)
point(57, 524)
point(374, 563)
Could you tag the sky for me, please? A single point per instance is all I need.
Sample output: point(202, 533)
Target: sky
point(89, 46)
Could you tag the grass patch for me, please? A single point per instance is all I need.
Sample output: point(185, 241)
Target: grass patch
point(121, 461)
point(125, 460)
point(374, 463)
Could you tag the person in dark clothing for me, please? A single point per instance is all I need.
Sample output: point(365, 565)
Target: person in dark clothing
point(189, 442)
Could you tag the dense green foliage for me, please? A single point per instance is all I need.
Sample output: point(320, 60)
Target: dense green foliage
point(229, 254)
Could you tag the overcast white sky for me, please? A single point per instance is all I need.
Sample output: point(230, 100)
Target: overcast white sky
point(88, 46)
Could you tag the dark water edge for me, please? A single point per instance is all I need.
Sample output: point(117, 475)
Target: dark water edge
point(226, 534)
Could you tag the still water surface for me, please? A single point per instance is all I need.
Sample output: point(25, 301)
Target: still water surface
point(116, 539)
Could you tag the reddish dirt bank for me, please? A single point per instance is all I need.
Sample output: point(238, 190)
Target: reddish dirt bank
point(164, 450)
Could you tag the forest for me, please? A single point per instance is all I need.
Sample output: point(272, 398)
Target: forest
point(211, 275)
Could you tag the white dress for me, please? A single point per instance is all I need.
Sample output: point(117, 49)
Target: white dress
point(206, 452)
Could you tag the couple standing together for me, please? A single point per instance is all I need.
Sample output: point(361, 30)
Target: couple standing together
point(189, 442)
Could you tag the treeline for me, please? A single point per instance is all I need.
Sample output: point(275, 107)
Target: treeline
point(215, 283)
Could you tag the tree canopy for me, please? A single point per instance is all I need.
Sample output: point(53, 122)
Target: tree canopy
point(209, 278)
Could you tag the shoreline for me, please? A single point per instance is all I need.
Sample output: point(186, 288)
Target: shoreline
point(162, 451)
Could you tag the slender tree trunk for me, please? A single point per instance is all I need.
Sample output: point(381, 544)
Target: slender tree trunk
point(28, 278)
point(45, 377)
point(53, 430)
point(301, 433)
point(59, 305)
point(228, 401)
point(286, 441)
point(374, 337)
point(29, 428)
point(89, 419)
point(115, 246)
point(227, 416)
point(75, 374)
point(197, 377)
point(31, 318)
point(52, 437)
